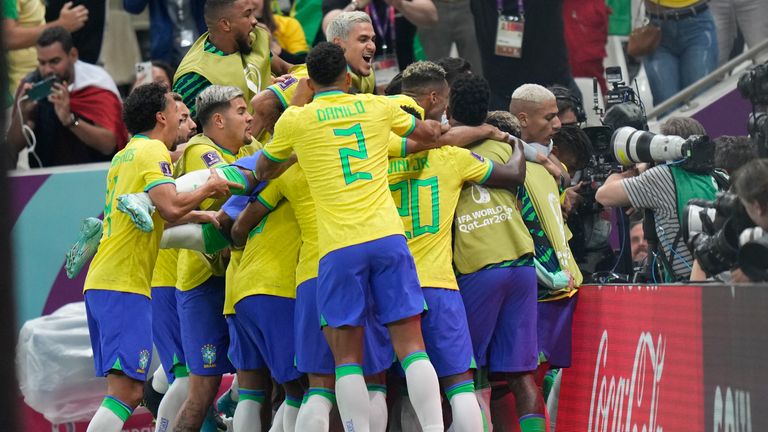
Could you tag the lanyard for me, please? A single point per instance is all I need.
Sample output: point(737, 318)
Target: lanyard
point(520, 8)
point(387, 28)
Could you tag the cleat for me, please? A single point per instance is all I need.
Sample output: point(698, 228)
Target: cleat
point(85, 247)
point(139, 207)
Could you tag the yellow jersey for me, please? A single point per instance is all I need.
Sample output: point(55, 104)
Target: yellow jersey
point(341, 142)
point(127, 255)
point(292, 185)
point(426, 187)
point(202, 153)
point(229, 281)
point(285, 90)
point(268, 264)
point(164, 274)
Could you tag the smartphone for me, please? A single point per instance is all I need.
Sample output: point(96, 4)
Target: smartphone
point(41, 89)
point(143, 73)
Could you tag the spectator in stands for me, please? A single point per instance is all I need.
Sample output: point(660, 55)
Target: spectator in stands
point(733, 152)
point(453, 26)
point(688, 49)
point(544, 56)
point(656, 189)
point(173, 26)
point(395, 22)
point(288, 40)
point(80, 121)
point(88, 39)
point(23, 22)
point(162, 73)
point(586, 33)
point(454, 66)
point(731, 16)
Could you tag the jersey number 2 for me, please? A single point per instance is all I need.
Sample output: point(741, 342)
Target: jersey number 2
point(346, 153)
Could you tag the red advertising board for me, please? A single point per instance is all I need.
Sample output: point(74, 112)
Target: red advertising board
point(637, 361)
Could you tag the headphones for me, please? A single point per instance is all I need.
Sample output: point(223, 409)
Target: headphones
point(564, 95)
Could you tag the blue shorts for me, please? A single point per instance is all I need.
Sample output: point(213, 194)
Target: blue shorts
point(554, 328)
point(501, 312)
point(204, 332)
point(313, 355)
point(262, 335)
point(120, 326)
point(166, 331)
point(445, 331)
point(378, 274)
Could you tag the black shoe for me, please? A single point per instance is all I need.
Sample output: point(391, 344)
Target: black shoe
point(152, 397)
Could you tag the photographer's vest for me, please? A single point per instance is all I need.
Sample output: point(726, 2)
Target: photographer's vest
point(488, 229)
point(251, 72)
point(545, 197)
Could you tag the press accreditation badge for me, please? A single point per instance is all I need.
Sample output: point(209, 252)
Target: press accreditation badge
point(385, 68)
point(509, 36)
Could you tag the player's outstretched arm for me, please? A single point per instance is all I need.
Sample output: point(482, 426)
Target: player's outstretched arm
point(511, 174)
point(173, 205)
point(425, 136)
point(246, 221)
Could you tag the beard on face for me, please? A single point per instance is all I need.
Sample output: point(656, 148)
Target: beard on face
point(243, 44)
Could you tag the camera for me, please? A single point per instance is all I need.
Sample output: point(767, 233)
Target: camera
point(753, 85)
point(711, 229)
point(631, 146)
point(619, 92)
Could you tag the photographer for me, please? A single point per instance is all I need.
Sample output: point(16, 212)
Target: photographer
point(665, 190)
point(751, 186)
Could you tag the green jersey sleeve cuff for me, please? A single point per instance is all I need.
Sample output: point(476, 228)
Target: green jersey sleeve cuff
point(265, 203)
point(410, 129)
point(273, 158)
point(279, 95)
point(488, 173)
point(158, 182)
point(404, 148)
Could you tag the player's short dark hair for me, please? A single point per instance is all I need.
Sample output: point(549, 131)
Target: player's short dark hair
point(326, 63)
point(214, 99)
point(395, 87)
point(142, 104)
point(731, 152)
point(215, 9)
point(571, 139)
point(750, 182)
point(55, 34)
point(505, 121)
point(454, 67)
point(469, 99)
point(422, 77)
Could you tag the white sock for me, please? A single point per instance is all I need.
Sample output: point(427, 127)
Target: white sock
point(483, 396)
point(352, 397)
point(290, 413)
point(277, 419)
point(247, 416)
point(314, 414)
point(186, 236)
point(466, 413)
point(379, 414)
point(424, 391)
point(160, 381)
point(409, 421)
point(106, 420)
point(171, 404)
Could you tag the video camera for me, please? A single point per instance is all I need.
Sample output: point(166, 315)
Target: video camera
point(721, 236)
point(753, 85)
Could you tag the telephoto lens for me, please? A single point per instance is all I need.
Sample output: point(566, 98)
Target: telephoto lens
point(631, 146)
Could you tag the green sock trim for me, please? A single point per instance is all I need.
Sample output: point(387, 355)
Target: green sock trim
point(377, 388)
point(213, 239)
point(251, 395)
point(533, 423)
point(180, 371)
point(120, 409)
point(467, 387)
point(296, 403)
point(413, 357)
point(348, 369)
point(234, 175)
point(322, 392)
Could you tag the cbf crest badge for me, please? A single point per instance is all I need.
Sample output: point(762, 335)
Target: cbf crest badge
point(143, 361)
point(209, 355)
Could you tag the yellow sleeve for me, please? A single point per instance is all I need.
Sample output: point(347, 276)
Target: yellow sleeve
point(402, 123)
point(470, 165)
point(272, 194)
point(397, 146)
point(201, 157)
point(290, 35)
point(155, 165)
point(280, 148)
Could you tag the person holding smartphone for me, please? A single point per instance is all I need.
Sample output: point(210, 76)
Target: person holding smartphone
point(67, 111)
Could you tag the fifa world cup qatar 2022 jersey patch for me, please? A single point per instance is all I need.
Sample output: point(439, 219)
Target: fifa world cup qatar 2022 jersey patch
point(211, 158)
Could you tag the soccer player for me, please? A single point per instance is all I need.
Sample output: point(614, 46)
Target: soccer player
point(225, 122)
point(341, 143)
point(117, 287)
point(426, 187)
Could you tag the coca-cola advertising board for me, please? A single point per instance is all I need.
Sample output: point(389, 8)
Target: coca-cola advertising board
point(637, 361)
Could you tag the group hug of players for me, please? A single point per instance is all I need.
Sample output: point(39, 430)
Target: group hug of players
point(359, 240)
